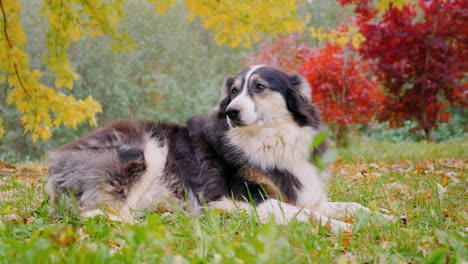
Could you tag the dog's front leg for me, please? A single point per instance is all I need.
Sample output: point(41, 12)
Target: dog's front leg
point(284, 213)
point(347, 210)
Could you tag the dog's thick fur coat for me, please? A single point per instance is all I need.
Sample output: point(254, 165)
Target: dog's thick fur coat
point(252, 151)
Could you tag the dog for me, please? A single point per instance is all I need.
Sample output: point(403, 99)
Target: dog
point(252, 153)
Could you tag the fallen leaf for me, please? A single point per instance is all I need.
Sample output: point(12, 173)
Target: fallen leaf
point(346, 239)
point(444, 180)
point(63, 236)
point(374, 165)
point(5, 165)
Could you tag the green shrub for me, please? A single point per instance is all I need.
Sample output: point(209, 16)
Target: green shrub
point(455, 130)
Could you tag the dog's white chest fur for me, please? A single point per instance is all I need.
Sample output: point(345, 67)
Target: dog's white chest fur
point(283, 145)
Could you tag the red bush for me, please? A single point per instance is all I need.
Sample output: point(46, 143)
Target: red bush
point(341, 85)
point(420, 55)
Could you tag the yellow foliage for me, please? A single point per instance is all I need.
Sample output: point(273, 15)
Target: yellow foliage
point(161, 6)
point(341, 38)
point(41, 107)
point(71, 19)
point(384, 4)
point(1, 127)
point(239, 21)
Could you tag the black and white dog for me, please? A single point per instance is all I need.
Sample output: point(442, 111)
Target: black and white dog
point(251, 153)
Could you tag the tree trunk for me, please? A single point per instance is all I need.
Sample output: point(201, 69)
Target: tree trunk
point(342, 139)
point(428, 132)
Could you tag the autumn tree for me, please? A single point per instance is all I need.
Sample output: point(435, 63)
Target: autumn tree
point(342, 87)
point(43, 107)
point(420, 54)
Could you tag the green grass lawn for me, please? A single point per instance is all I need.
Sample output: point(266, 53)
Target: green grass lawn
point(427, 183)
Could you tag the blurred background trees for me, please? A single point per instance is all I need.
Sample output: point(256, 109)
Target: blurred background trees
point(415, 52)
point(171, 67)
point(420, 53)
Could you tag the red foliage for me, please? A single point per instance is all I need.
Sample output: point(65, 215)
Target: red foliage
point(286, 52)
point(420, 54)
point(340, 87)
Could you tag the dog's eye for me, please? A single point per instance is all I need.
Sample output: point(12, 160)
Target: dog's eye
point(234, 91)
point(259, 88)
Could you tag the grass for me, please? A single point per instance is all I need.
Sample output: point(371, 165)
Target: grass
point(384, 151)
point(425, 182)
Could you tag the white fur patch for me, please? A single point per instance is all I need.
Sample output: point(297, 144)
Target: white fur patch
point(150, 191)
point(314, 189)
point(247, 76)
point(246, 106)
point(244, 103)
point(229, 205)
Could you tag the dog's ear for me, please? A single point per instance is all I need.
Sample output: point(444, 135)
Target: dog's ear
point(225, 98)
point(296, 104)
point(301, 85)
point(298, 101)
point(228, 82)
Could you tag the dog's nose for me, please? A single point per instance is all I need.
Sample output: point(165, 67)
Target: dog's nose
point(233, 113)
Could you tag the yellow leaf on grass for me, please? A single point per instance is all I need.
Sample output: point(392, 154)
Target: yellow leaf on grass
point(444, 180)
point(1, 128)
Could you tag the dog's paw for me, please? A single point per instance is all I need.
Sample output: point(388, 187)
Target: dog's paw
point(381, 217)
point(109, 216)
point(330, 223)
point(390, 218)
point(337, 226)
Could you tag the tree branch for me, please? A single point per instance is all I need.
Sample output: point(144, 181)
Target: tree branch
point(9, 46)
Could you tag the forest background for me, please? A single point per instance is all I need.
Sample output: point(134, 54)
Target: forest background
point(170, 67)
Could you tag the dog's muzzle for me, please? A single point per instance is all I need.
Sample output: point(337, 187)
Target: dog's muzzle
point(234, 116)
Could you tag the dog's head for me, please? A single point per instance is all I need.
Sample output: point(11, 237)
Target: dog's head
point(263, 95)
